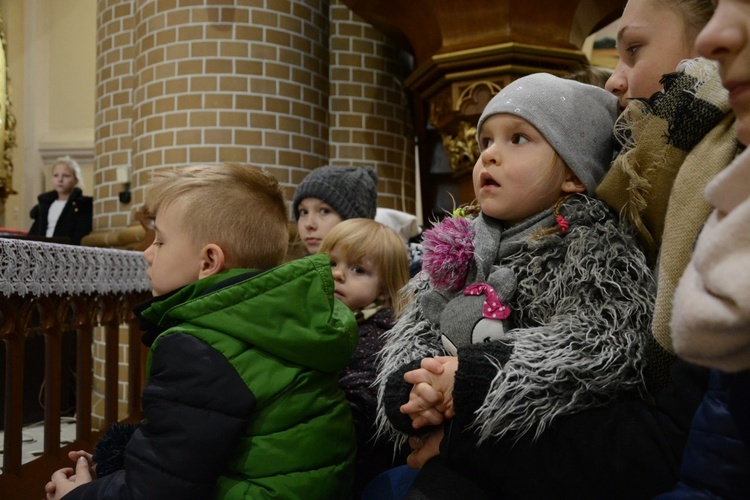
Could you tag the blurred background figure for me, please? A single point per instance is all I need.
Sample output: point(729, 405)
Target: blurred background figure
point(63, 212)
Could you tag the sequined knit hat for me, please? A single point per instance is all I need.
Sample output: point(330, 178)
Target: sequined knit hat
point(576, 119)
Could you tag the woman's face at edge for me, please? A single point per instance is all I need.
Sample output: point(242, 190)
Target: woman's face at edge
point(652, 38)
point(726, 39)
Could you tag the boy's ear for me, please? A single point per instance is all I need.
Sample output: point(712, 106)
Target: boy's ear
point(571, 184)
point(212, 260)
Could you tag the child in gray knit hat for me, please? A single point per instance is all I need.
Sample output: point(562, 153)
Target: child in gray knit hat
point(530, 306)
point(329, 195)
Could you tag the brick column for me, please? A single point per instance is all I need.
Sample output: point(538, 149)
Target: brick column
point(114, 92)
point(230, 81)
point(370, 117)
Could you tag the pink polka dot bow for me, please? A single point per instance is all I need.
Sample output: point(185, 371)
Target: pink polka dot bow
point(493, 307)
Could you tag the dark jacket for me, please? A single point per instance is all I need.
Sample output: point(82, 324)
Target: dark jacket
point(76, 219)
point(357, 381)
point(716, 464)
point(626, 448)
point(576, 336)
point(242, 399)
point(629, 450)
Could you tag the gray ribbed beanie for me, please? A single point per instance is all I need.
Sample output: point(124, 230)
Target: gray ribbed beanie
point(351, 191)
point(576, 119)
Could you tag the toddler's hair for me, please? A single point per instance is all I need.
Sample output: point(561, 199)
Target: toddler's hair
point(367, 240)
point(238, 207)
point(72, 165)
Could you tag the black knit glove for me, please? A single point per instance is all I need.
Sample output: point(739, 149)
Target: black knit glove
point(477, 367)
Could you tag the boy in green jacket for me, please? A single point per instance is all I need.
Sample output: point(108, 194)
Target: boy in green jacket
point(242, 399)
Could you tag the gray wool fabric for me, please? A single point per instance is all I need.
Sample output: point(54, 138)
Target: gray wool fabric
point(351, 191)
point(576, 119)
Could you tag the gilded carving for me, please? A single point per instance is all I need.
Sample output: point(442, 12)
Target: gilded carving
point(475, 97)
point(462, 149)
point(441, 109)
point(7, 125)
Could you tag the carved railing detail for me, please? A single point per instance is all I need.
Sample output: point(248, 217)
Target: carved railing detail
point(53, 291)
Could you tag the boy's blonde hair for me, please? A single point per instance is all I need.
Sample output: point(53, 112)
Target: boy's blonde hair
point(365, 239)
point(238, 207)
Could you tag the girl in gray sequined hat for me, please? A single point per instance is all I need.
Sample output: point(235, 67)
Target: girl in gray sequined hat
point(529, 308)
point(329, 195)
point(575, 118)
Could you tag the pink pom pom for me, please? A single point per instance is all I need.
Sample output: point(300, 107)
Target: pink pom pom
point(448, 249)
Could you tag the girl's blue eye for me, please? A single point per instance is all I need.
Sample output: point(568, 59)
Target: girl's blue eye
point(325, 211)
point(519, 139)
point(486, 142)
point(632, 49)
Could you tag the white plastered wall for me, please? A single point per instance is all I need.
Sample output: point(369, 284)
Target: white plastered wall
point(51, 54)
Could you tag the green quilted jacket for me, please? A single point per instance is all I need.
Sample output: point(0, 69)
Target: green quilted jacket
point(242, 399)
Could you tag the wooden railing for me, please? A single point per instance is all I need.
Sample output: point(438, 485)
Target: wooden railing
point(28, 308)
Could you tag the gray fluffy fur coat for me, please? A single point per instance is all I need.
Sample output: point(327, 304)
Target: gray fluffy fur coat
point(581, 307)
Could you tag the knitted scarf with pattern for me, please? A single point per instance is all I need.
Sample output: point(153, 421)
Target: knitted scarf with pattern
point(672, 144)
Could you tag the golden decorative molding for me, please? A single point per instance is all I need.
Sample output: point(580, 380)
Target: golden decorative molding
point(7, 123)
point(462, 149)
point(462, 101)
point(475, 97)
point(481, 63)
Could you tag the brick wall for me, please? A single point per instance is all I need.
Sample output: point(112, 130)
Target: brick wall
point(370, 120)
point(287, 85)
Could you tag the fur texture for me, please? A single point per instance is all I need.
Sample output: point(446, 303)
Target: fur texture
point(581, 314)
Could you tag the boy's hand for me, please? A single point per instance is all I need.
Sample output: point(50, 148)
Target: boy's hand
point(75, 455)
point(67, 479)
point(431, 398)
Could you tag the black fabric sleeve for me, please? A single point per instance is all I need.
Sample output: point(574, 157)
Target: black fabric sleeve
point(630, 449)
point(358, 378)
point(196, 407)
point(477, 367)
point(83, 220)
point(396, 394)
point(34, 214)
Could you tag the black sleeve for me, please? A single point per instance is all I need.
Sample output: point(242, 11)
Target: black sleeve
point(630, 449)
point(83, 221)
point(477, 367)
point(358, 378)
point(196, 407)
point(34, 214)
